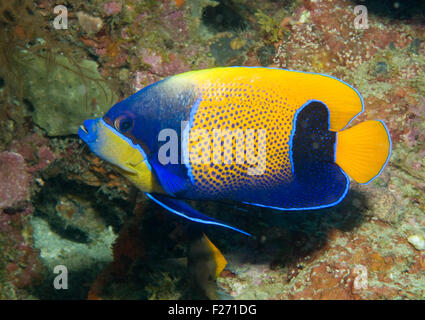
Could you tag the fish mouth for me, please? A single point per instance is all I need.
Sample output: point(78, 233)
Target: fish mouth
point(83, 128)
point(87, 131)
point(83, 133)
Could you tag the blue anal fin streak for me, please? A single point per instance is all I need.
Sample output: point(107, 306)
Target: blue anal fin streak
point(184, 210)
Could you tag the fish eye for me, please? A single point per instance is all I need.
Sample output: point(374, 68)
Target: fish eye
point(123, 124)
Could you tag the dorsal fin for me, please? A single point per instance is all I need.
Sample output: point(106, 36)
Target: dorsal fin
point(344, 101)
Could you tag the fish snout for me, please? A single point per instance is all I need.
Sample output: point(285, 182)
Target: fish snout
point(88, 130)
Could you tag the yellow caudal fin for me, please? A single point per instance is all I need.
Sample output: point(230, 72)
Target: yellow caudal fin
point(363, 150)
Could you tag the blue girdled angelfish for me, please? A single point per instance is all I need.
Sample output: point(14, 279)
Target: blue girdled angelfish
point(292, 123)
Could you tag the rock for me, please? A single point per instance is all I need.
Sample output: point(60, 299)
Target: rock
point(112, 8)
point(88, 23)
point(14, 181)
point(159, 66)
point(64, 94)
point(417, 241)
point(84, 261)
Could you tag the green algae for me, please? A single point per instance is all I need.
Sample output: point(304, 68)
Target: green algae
point(63, 93)
point(269, 26)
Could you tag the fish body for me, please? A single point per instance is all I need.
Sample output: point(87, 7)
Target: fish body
point(268, 137)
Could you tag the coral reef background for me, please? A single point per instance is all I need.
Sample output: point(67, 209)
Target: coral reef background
point(61, 205)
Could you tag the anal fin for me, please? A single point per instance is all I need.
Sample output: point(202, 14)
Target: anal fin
point(184, 210)
point(319, 185)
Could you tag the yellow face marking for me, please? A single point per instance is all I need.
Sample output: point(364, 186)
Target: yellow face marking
point(130, 161)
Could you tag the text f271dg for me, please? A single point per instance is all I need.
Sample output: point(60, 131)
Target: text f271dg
point(234, 309)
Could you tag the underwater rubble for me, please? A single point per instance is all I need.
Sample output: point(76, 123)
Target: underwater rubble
point(61, 205)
